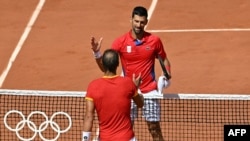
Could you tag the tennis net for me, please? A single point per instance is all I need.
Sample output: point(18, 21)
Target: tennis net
point(58, 116)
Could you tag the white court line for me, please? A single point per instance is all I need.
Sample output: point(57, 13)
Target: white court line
point(21, 41)
point(151, 10)
point(203, 30)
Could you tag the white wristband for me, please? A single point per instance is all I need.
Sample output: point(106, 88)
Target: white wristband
point(86, 136)
point(97, 54)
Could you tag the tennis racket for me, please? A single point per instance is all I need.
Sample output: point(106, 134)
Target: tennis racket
point(165, 72)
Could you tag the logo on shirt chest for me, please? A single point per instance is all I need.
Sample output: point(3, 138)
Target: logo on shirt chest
point(147, 48)
point(128, 49)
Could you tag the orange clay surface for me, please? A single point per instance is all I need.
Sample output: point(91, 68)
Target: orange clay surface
point(57, 56)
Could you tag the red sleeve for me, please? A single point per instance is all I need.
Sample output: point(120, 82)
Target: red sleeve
point(116, 45)
point(90, 92)
point(160, 49)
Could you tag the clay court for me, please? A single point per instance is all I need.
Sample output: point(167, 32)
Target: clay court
point(56, 54)
point(207, 42)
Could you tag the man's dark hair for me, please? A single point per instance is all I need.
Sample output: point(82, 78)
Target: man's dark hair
point(140, 11)
point(110, 60)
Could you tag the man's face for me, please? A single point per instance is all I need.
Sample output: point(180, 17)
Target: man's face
point(138, 24)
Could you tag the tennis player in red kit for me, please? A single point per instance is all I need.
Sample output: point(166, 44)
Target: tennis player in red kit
point(138, 50)
point(111, 97)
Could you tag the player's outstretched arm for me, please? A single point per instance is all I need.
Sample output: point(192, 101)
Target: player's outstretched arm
point(96, 47)
point(88, 120)
point(168, 67)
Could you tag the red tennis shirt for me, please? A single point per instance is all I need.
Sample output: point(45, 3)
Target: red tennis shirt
point(112, 100)
point(139, 57)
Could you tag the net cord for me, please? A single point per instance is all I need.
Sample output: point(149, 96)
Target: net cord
point(164, 96)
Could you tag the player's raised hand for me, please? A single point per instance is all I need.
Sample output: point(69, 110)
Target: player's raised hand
point(137, 80)
point(96, 45)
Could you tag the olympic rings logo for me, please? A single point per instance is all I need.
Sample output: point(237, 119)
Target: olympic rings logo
point(32, 126)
